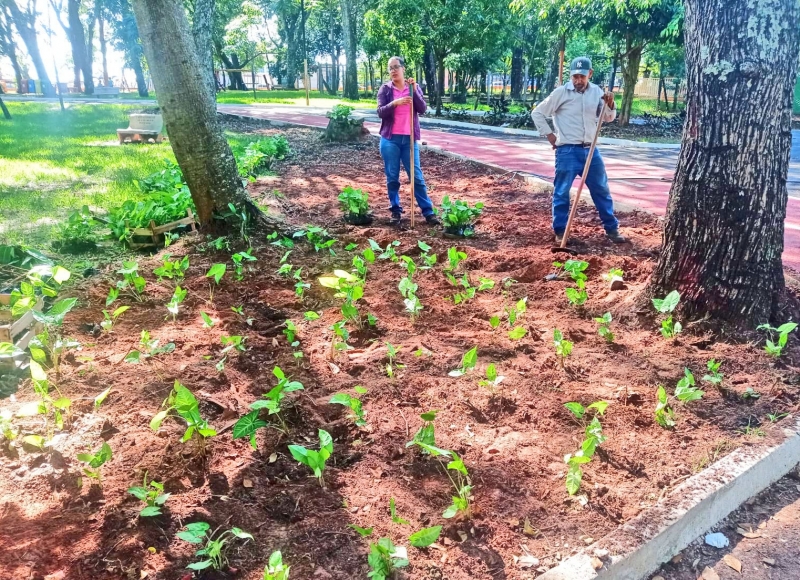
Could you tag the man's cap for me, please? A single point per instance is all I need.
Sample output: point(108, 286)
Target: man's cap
point(580, 66)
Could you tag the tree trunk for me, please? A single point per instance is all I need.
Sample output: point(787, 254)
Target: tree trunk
point(349, 17)
point(614, 64)
point(77, 39)
point(630, 74)
point(429, 67)
point(3, 107)
point(202, 25)
point(237, 80)
point(189, 112)
point(141, 82)
point(516, 74)
point(25, 22)
point(439, 84)
point(102, 33)
point(723, 235)
point(8, 46)
point(552, 74)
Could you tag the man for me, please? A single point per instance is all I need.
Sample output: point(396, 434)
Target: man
point(575, 108)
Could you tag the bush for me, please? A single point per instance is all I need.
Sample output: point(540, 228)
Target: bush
point(80, 233)
point(161, 208)
point(258, 156)
point(354, 202)
point(168, 179)
point(340, 113)
point(458, 217)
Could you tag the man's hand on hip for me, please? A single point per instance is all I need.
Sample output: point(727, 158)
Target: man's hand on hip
point(552, 138)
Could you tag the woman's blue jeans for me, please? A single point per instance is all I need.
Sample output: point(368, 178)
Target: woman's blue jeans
point(570, 160)
point(394, 151)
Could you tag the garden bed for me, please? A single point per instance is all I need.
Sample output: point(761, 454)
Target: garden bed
point(513, 444)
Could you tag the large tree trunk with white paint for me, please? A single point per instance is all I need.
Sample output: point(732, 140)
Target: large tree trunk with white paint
point(189, 111)
point(723, 236)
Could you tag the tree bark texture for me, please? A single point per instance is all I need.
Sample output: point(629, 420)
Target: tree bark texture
point(439, 83)
point(516, 73)
point(349, 18)
point(189, 112)
point(201, 31)
point(77, 38)
point(723, 235)
point(25, 23)
point(429, 67)
point(630, 74)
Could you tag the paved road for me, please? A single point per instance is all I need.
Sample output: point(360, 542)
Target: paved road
point(639, 177)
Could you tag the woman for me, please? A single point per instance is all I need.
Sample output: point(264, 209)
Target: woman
point(394, 109)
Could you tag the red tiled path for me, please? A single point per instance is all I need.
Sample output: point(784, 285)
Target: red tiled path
point(634, 182)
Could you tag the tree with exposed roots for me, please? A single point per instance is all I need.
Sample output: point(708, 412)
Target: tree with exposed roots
point(189, 109)
point(724, 229)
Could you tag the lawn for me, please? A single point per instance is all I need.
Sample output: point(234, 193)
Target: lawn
point(297, 98)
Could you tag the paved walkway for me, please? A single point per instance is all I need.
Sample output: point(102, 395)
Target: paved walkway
point(638, 177)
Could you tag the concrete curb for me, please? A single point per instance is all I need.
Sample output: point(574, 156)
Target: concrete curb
point(640, 546)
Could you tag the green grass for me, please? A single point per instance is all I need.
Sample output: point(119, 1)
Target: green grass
point(53, 162)
point(297, 98)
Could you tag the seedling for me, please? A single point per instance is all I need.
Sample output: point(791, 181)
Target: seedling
point(178, 296)
point(515, 312)
point(207, 322)
point(341, 336)
point(614, 274)
point(393, 512)
point(387, 253)
point(468, 361)
point(563, 346)
point(50, 341)
point(593, 436)
point(214, 550)
point(714, 376)
point(384, 559)
point(669, 328)
point(275, 570)
point(172, 269)
point(454, 258)
point(425, 437)
point(603, 329)
point(517, 332)
point(579, 411)
point(391, 352)
point(750, 394)
point(300, 287)
point(428, 260)
point(363, 532)
point(776, 349)
point(272, 402)
point(152, 494)
point(685, 391)
point(110, 319)
point(150, 349)
point(775, 417)
point(664, 414)
point(318, 237)
point(461, 483)
point(354, 202)
point(95, 461)
point(751, 431)
point(492, 380)
point(359, 415)
point(233, 342)
point(315, 460)
point(217, 271)
point(184, 404)
point(131, 281)
point(458, 217)
point(575, 268)
point(311, 315)
point(238, 262)
point(47, 405)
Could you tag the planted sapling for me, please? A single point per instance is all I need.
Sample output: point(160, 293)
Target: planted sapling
point(428, 260)
point(172, 269)
point(185, 405)
point(391, 352)
point(385, 558)
point(47, 405)
point(275, 570)
point(315, 460)
point(613, 275)
point(603, 329)
point(95, 461)
point(579, 411)
point(468, 361)
point(750, 394)
point(387, 253)
point(454, 258)
point(178, 296)
point(686, 391)
point(359, 415)
point(593, 436)
point(664, 414)
point(393, 513)
point(425, 437)
point(214, 552)
point(461, 483)
point(272, 402)
point(492, 380)
point(152, 494)
point(109, 319)
point(150, 348)
point(563, 346)
point(217, 271)
point(131, 281)
point(458, 217)
point(425, 537)
point(775, 349)
point(714, 376)
point(355, 205)
point(238, 263)
point(50, 341)
point(669, 327)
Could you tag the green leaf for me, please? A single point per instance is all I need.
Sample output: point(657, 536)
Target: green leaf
point(576, 409)
point(517, 333)
point(100, 399)
point(601, 406)
point(311, 315)
point(217, 271)
point(202, 565)
point(207, 322)
point(450, 512)
point(60, 274)
point(150, 511)
point(34, 440)
point(668, 303)
point(133, 357)
point(241, 534)
point(574, 477)
point(55, 316)
point(340, 399)
point(494, 322)
point(425, 537)
point(247, 426)
point(155, 422)
point(470, 358)
point(138, 492)
point(363, 532)
point(393, 511)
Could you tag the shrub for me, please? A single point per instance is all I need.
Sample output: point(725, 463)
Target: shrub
point(458, 217)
